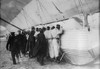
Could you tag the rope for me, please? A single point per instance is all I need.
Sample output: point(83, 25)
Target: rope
point(57, 8)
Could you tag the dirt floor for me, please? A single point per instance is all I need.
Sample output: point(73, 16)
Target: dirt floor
point(25, 63)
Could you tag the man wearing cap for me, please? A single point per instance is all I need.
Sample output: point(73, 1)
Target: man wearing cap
point(12, 47)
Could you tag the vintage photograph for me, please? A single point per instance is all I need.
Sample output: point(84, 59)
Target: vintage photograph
point(49, 34)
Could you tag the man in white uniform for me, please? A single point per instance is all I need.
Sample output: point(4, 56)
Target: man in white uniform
point(55, 42)
point(49, 38)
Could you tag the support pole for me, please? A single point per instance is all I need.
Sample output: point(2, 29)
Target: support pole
point(10, 24)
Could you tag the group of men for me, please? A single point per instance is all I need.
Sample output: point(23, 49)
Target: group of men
point(16, 44)
point(42, 43)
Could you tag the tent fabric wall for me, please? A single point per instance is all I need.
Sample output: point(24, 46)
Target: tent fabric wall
point(32, 15)
point(43, 11)
point(80, 45)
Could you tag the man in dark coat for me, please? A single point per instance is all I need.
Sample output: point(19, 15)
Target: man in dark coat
point(35, 50)
point(42, 47)
point(31, 42)
point(12, 47)
point(24, 41)
point(19, 42)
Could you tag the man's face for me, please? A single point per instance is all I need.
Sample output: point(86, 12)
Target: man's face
point(19, 32)
point(33, 29)
point(58, 27)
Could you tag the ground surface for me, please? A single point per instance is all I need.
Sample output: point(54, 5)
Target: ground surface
point(6, 62)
